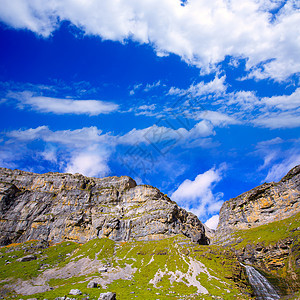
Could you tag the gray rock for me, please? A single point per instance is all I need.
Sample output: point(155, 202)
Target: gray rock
point(92, 284)
point(27, 258)
point(75, 292)
point(51, 206)
point(102, 270)
point(107, 296)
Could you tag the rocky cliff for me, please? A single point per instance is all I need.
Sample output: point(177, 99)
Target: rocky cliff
point(264, 204)
point(56, 207)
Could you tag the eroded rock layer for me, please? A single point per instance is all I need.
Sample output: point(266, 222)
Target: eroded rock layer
point(266, 203)
point(56, 207)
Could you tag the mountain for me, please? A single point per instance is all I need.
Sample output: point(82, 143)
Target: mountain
point(264, 204)
point(56, 207)
point(64, 233)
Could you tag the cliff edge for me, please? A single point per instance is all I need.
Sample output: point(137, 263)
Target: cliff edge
point(54, 207)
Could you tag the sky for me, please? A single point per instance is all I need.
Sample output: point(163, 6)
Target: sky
point(200, 99)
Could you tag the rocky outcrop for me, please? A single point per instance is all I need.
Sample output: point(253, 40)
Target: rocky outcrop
point(55, 207)
point(279, 262)
point(266, 203)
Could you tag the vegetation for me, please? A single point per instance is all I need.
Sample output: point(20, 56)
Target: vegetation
point(170, 268)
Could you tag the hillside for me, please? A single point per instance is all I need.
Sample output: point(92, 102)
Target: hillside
point(164, 255)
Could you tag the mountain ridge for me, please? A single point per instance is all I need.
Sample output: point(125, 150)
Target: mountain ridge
point(132, 240)
point(56, 207)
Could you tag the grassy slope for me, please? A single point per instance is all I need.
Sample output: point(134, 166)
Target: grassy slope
point(148, 257)
point(224, 278)
point(287, 278)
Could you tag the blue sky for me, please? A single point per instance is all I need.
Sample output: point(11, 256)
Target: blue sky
point(198, 98)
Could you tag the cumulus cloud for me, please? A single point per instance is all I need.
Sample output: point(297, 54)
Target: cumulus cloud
point(217, 118)
point(86, 150)
point(201, 32)
point(274, 120)
point(212, 222)
point(284, 102)
point(92, 162)
point(62, 106)
point(197, 195)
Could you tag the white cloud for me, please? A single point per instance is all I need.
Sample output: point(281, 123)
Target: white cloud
point(285, 102)
point(215, 86)
point(146, 110)
point(78, 138)
point(84, 150)
point(151, 86)
point(212, 222)
point(217, 118)
point(92, 162)
point(279, 170)
point(135, 87)
point(158, 134)
point(49, 154)
point(197, 196)
point(201, 32)
point(279, 156)
point(63, 106)
point(274, 120)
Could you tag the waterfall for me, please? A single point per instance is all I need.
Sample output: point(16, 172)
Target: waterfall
point(261, 286)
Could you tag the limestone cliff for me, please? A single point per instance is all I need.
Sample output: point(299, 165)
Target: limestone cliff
point(266, 203)
point(56, 207)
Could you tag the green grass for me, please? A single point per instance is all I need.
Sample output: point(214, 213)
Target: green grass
point(145, 258)
point(270, 233)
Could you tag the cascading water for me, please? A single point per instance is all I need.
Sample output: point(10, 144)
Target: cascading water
point(261, 286)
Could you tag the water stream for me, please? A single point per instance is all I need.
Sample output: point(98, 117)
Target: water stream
point(261, 286)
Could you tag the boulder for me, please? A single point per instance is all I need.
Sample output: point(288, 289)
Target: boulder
point(27, 258)
point(92, 284)
point(107, 296)
point(102, 270)
point(75, 292)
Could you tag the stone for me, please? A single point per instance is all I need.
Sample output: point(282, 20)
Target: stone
point(75, 292)
point(56, 207)
point(27, 258)
point(107, 296)
point(102, 270)
point(92, 284)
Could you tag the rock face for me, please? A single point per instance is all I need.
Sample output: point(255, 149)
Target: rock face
point(264, 204)
point(55, 207)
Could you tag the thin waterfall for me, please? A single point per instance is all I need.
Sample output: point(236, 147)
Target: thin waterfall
point(261, 286)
